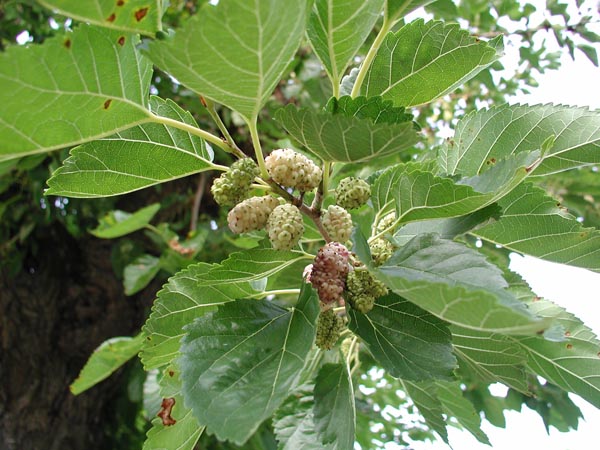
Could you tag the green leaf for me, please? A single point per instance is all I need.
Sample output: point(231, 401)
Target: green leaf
point(417, 194)
point(535, 224)
point(492, 357)
point(179, 302)
point(133, 159)
point(493, 134)
point(455, 283)
point(424, 61)
point(456, 405)
point(105, 360)
point(374, 108)
point(119, 223)
point(397, 9)
point(294, 425)
point(407, 341)
point(590, 52)
point(186, 431)
point(572, 363)
point(236, 52)
point(240, 363)
point(139, 273)
point(336, 137)
point(337, 29)
point(135, 16)
point(43, 109)
point(425, 399)
point(334, 410)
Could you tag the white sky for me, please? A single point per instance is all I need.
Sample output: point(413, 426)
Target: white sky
point(578, 290)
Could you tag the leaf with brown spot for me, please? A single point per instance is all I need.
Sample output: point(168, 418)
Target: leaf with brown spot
point(121, 41)
point(107, 103)
point(117, 14)
point(165, 412)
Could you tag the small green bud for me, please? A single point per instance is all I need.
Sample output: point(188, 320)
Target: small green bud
point(233, 186)
point(362, 289)
point(352, 193)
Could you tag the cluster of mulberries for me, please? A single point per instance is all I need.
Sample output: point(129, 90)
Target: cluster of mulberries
point(338, 223)
point(329, 329)
point(285, 227)
point(233, 186)
point(293, 170)
point(251, 214)
point(329, 271)
point(362, 289)
point(352, 193)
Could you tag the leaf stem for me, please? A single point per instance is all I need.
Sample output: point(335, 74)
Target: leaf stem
point(252, 126)
point(362, 73)
point(210, 107)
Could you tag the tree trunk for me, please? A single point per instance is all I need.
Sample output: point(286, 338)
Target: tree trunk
point(53, 314)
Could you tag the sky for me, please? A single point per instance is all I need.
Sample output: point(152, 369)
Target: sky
point(576, 83)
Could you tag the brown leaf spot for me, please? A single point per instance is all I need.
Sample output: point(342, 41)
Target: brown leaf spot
point(111, 18)
point(140, 14)
point(567, 333)
point(171, 373)
point(67, 43)
point(569, 346)
point(165, 412)
point(203, 101)
point(120, 2)
point(536, 298)
point(107, 103)
point(121, 41)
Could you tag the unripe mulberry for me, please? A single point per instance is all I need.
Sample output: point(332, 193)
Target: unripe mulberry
point(386, 222)
point(362, 289)
point(338, 223)
point(381, 250)
point(329, 271)
point(352, 193)
point(285, 227)
point(251, 214)
point(292, 169)
point(329, 329)
point(233, 186)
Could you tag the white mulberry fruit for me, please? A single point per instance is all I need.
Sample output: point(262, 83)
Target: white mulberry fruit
point(338, 223)
point(386, 222)
point(285, 227)
point(292, 169)
point(352, 193)
point(251, 214)
point(381, 250)
point(233, 186)
point(329, 272)
point(329, 329)
point(362, 289)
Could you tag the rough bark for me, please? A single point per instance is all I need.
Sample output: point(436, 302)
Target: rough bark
point(52, 316)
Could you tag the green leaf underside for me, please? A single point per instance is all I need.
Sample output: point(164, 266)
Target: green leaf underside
point(139, 273)
point(133, 159)
point(446, 228)
point(407, 341)
point(105, 92)
point(105, 360)
point(424, 61)
point(492, 357)
point(135, 16)
point(374, 108)
point(182, 435)
point(335, 137)
point(337, 29)
point(534, 224)
point(454, 283)
point(456, 405)
point(573, 363)
point(240, 363)
point(416, 194)
point(119, 223)
point(294, 425)
point(236, 52)
point(499, 132)
point(400, 8)
point(198, 290)
point(425, 399)
point(334, 410)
